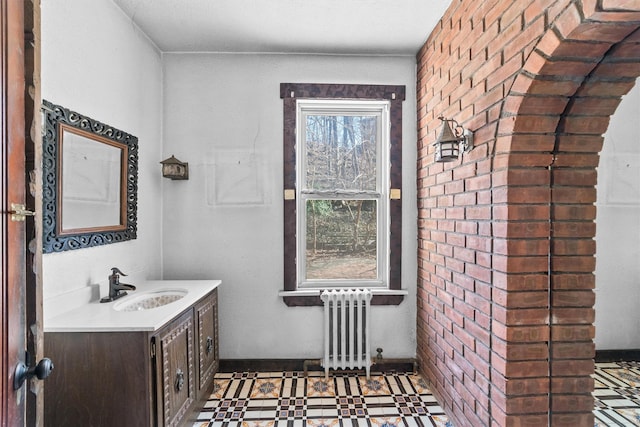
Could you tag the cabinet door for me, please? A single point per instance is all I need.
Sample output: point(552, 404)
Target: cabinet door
point(207, 315)
point(175, 369)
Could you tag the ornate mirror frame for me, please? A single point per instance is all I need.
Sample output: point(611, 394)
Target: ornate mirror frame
point(58, 121)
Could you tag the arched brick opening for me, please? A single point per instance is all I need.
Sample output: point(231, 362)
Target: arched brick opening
point(506, 249)
point(573, 81)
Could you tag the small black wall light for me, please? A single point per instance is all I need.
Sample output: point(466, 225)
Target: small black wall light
point(175, 169)
point(452, 141)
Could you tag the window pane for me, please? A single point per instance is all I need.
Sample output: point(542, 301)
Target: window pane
point(341, 239)
point(341, 152)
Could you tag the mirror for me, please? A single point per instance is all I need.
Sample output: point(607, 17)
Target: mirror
point(90, 173)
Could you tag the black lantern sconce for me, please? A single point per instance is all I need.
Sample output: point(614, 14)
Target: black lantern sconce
point(452, 141)
point(175, 169)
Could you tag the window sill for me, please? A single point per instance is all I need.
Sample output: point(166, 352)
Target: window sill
point(311, 297)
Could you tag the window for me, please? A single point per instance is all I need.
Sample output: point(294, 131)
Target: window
point(342, 190)
point(342, 181)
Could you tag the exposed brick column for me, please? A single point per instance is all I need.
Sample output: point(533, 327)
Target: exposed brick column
point(483, 327)
point(506, 250)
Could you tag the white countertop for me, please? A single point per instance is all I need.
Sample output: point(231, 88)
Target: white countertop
point(102, 317)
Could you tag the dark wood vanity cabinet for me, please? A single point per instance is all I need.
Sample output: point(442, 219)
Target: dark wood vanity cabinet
point(174, 362)
point(206, 312)
point(134, 378)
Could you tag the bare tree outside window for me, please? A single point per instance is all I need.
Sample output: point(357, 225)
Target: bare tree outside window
point(341, 152)
point(342, 210)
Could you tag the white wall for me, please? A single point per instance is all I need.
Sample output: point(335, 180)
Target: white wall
point(96, 62)
point(618, 230)
point(223, 115)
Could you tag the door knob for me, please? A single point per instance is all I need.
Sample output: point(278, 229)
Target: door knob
point(40, 371)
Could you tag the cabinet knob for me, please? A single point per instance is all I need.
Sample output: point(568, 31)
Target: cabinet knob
point(179, 380)
point(209, 345)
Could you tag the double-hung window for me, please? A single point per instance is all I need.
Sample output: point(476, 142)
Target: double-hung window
point(342, 152)
point(342, 189)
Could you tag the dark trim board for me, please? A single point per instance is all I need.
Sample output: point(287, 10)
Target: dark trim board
point(286, 365)
point(618, 355)
point(260, 365)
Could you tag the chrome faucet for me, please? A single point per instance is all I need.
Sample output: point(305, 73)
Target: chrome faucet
point(117, 289)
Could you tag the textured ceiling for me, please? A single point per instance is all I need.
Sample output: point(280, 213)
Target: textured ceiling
point(354, 27)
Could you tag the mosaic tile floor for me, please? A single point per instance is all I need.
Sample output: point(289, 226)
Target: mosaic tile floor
point(617, 394)
point(293, 400)
point(276, 399)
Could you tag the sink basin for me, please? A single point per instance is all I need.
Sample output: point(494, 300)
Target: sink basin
point(150, 300)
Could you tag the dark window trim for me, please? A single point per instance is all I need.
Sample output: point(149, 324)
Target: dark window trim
point(289, 92)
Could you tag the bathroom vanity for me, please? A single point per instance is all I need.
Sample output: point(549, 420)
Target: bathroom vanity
point(132, 362)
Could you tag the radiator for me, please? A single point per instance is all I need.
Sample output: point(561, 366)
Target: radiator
point(346, 329)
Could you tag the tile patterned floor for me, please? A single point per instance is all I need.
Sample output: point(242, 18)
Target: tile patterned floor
point(290, 399)
point(617, 394)
point(293, 400)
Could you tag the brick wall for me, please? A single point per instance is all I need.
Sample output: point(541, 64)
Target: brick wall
point(506, 249)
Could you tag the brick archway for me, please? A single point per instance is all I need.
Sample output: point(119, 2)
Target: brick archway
point(570, 86)
point(506, 261)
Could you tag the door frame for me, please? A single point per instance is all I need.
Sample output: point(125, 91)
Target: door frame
point(33, 174)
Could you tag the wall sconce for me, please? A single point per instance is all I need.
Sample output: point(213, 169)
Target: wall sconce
point(175, 169)
point(452, 141)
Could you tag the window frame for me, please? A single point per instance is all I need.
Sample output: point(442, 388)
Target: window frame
point(290, 93)
point(371, 107)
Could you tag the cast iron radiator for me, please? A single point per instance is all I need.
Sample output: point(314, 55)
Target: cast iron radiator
point(346, 329)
